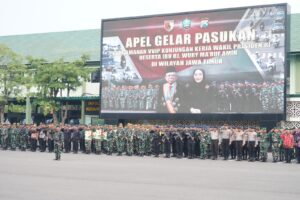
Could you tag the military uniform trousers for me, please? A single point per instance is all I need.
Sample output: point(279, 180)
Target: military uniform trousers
point(129, 147)
point(264, 151)
point(275, 151)
point(97, 143)
point(203, 150)
point(57, 150)
point(88, 146)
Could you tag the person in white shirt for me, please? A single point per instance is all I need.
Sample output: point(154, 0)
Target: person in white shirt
point(225, 136)
point(232, 144)
point(252, 142)
point(214, 134)
point(239, 137)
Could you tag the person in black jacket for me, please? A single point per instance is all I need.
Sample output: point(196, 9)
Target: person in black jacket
point(198, 98)
point(156, 142)
point(75, 139)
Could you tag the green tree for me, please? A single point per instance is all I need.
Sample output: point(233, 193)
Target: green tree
point(48, 79)
point(55, 77)
point(12, 72)
point(74, 74)
point(32, 66)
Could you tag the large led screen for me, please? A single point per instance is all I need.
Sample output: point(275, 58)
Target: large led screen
point(220, 61)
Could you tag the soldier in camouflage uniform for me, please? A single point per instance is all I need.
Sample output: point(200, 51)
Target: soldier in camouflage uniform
point(148, 142)
point(88, 140)
point(272, 98)
point(58, 142)
point(166, 140)
point(122, 97)
point(120, 140)
point(149, 97)
point(110, 140)
point(142, 97)
point(50, 135)
point(254, 98)
point(104, 138)
point(204, 142)
point(4, 137)
point(116, 97)
point(97, 140)
point(23, 138)
point(279, 95)
point(264, 97)
point(135, 97)
point(141, 141)
point(13, 134)
point(129, 140)
point(264, 144)
point(156, 141)
point(223, 97)
point(276, 143)
point(129, 98)
point(236, 98)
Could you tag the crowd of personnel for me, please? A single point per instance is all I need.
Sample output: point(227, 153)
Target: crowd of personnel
point(229, 142)
point(223, 96)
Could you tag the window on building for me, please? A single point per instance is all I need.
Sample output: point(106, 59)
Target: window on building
point(294, 79)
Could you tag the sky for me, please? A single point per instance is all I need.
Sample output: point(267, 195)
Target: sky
point(19, 17)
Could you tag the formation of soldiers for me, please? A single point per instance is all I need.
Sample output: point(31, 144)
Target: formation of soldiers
point(226, 96)
point(143, 98)
point(264, 97)
point(236, 143)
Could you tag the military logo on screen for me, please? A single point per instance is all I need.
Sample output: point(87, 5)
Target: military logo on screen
point(169, 25)
point(204, 23)
point(186, 24)
point(224, 61)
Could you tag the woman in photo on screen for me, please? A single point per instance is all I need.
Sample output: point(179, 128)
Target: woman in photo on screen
point(198, 98)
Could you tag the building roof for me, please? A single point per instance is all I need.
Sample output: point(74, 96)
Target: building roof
point(71, 45)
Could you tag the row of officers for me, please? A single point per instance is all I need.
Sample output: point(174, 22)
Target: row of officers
point(222, 97)
point(225, 141)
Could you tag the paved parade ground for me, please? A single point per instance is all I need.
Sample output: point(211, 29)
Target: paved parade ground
point(36, 176)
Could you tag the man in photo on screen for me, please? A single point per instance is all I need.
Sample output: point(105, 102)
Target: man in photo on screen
point(170, 93)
